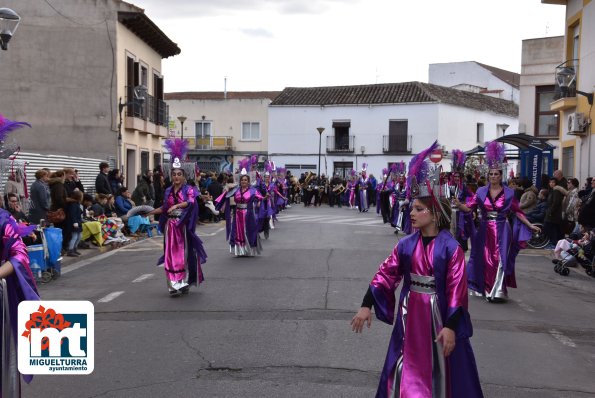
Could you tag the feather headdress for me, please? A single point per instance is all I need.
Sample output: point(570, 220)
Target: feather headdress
point(385, 171)
point(352, 173)
point(458, 161)
point(418, 169)
point(244, 165)
point(364, 167)
point(177, 149)
point(8, 126)
point(495, 155)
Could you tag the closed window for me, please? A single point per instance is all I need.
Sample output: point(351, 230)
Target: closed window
point(480, 133)
point(546, 120)
point(251, 131)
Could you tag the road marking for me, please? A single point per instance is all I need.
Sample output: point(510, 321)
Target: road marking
point(102, 256)
point(144, 249)
point(110, 297)
point(562, 338)
point(142, 278)
point(213, 233)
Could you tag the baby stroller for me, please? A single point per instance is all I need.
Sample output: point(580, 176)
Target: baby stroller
point(579, 253)
point(45, 258)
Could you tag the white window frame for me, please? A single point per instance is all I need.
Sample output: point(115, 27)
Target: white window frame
point(242, 137)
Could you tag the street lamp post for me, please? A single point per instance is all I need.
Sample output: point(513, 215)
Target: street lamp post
point(320, 130)
point(9, 20)
point(182, 119)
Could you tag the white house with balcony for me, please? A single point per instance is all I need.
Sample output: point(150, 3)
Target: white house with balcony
point(378, 124)
point(221, 127)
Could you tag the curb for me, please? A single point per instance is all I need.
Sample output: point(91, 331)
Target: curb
point(66, 268)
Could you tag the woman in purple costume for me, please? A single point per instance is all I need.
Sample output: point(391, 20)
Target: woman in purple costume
point(183, 250)
point(497, 242)
point(242, 219)
point(16, 284)
point(429, 355)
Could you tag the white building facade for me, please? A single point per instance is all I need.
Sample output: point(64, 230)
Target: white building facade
point(378, 125)
point(477, 78)
point(221, 127)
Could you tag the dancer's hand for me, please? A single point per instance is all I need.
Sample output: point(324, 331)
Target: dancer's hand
point(447, 338)
point(363, 315)
point(535, 228)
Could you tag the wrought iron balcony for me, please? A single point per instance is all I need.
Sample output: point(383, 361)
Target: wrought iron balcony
point(340, 143)
point(151, 109)
point(397, 144)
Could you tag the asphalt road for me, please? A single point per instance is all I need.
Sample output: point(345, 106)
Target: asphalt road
point(278, 325)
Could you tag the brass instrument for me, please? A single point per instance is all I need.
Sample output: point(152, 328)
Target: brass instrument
point(339, 189)
point(306, 184)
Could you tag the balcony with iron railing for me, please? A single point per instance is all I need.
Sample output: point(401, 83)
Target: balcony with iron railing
point(148, 114)
point(340, 143)
point(211, 143)
point(395, 144)
point(566, 93)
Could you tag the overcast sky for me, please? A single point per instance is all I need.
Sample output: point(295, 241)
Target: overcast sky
point(271, 44)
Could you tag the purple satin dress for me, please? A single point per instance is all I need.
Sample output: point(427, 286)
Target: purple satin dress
point(496, 243)
point(183, 249)
point(434, 289)
point(244, 240)
point(18, 286)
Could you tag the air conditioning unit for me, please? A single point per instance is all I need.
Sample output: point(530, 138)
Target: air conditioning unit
point(575, 124)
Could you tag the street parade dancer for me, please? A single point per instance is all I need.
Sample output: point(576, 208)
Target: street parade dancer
point(268, 206)
point(401, 203)
point(17, 284)
point(497, 242)
point(351, 184)
point(183, 250)
point(429, 354)
point(362, 186)
point(462, 227)
point(242, 219)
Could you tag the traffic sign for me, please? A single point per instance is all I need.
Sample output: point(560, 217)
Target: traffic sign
point(436, 156)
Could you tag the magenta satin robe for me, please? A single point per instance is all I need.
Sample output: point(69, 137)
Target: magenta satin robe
point(175, 236)
point(416, 379)
point(492, 251)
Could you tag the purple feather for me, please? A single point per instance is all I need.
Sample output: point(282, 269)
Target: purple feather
point(384, 171)
point(458, 159)
point(494, 154)
point(403, 167)
point(352, 172)
point(8, 126)
point(394, 168)
point(177, 148)
point(254, 160)
point(418, 166)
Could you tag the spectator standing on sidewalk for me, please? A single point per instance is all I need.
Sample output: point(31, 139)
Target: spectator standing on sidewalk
point(74, 226)
point(142, 193)
point(586, 215)
point(77, 181)
point(40, 197)
point(115, 180)
point(553, 214)
point(102, 184)
point(14, 185)
point(69, 183)
point(529, 197)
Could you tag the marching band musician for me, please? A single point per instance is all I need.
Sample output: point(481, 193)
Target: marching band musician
point(334, 194)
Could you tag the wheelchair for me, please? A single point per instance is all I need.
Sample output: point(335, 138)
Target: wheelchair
point(539, 240)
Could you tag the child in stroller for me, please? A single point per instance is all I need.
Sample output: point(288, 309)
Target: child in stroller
point(575, 250)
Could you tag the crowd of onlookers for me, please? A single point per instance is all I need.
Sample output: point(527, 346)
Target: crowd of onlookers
point(99, 214)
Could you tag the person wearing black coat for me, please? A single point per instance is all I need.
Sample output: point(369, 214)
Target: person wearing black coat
point(40, 197)
point(537, 215)
point(586, 214)
point(102, 184)
point(74, 224)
